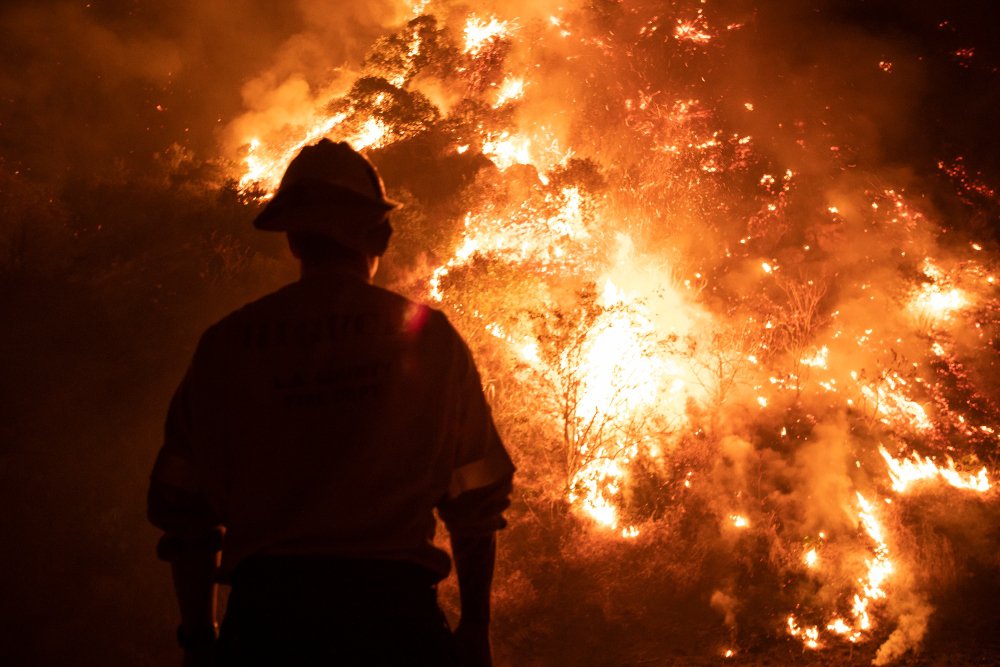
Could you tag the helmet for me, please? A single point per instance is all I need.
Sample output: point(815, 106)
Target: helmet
point(331, 189)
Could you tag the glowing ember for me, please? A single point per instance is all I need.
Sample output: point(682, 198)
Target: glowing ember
point(818, 359)
point(809, 636)
point(694, 30)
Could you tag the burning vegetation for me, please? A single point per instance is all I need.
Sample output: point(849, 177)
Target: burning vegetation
point(745, 365)
point(755, 375)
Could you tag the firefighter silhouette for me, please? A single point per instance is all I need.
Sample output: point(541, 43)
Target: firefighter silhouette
point(309, 444)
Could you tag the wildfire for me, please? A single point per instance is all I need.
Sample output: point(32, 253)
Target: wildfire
point(480, 33)
point(872, 585)
point(939, 304)
point(506, 150)
point(511, 89)
point(809, 636)
point(638, 275)
point(905, 472)
point(818, 358)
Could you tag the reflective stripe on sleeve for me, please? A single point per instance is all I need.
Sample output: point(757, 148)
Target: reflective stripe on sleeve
point(481, 473)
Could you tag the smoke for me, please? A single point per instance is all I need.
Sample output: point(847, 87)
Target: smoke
point(102, 88)
point(727, 606)
point(822, 470)
point(912, 614)
point(309, 68)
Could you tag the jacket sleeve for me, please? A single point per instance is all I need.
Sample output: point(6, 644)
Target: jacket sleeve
point(480, 457)
point(177, 502)
point(481, 478)
point(478, 511)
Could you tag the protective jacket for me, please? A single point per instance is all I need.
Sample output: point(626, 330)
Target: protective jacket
point(329, 418)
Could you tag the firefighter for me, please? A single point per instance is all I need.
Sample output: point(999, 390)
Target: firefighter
point(314, 435)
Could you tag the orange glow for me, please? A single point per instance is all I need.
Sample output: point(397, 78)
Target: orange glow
point(654, 294)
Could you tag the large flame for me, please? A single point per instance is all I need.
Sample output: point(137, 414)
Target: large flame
point(630, 350)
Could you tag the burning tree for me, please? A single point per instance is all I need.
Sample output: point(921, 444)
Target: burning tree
point(673, 323)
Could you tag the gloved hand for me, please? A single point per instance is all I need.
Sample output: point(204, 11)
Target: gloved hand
point(472, 644)
point(200, 646)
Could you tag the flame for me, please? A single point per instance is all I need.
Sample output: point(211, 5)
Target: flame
point(506, 150)
point(371, 135)
point(819, 358)
point(264, 167)
point(938, 300)
point(480, 33)
point(620, 380)
point(511, 89)
point(872, 586)
point(890, 401)
point(809, 636)
point(906, 472)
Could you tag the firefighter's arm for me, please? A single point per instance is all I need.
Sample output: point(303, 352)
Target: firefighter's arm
point(191, 544)
point(475, 556)
point(474, 559)
point(472, 518)
point(478, 493)
point(192, 534)
point(194, 584)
